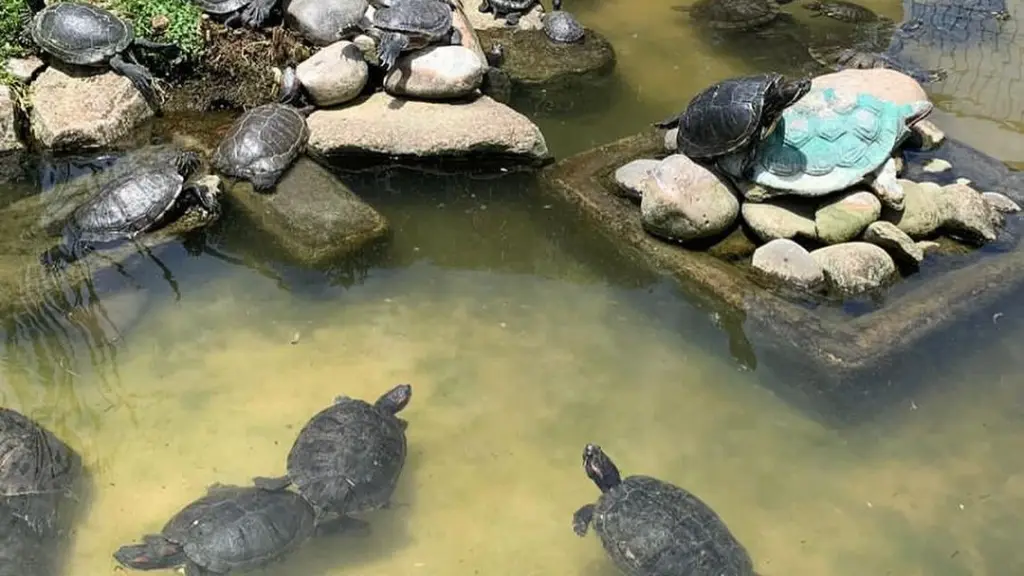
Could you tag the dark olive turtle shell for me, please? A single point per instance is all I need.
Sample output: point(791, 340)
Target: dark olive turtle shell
point(430, 18)
point(82, 34)
point(262, 144)
point(725, 116)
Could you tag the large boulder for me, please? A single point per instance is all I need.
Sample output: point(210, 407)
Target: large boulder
point(533, 62)
point(683, 201)
point(334, 75)
point(436, 73)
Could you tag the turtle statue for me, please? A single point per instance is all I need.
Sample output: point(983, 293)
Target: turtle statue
point(150, 192)
point(652, 528)
point(87, 35)
point(411, 24)
point(230, 528)
point(829, 141)
point(561, 26)
point(510, 10)
point(730, 116)
point(237, 13)
point(348, 457)
point(263, 142)
point(843, 11)
point(734, 14)
point(37, 471)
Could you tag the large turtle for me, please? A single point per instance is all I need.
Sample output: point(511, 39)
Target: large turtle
point(561, 26)
point(348, 457)
point(37, 471)
point(829, 141)
point(734, 14)
point(230, 528)
point(262, 143)
point(87, 35)
point(250, 13)
point(411, 24)
point(733, 114)
point(146, 194)
point(652, 528)
point(510, 10)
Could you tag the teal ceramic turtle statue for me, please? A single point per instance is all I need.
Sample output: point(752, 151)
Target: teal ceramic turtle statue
point(827, 142)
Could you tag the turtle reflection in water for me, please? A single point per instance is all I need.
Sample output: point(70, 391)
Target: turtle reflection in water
point(734, 14)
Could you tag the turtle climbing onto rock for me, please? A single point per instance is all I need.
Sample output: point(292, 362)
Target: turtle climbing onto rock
point(237, 13)
point(411, 24)
point(734, 14)
point(561, 26)
point(730, 116)
point(652, 528)
point(147, 194)
point(86, 35)
point(348, 457)
point(510, 10)
point(231, 528)
point(829, 141)
point(263, 143)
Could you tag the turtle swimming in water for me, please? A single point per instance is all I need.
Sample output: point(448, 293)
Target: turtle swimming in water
point(87, 35)
point(729, 116)
point(842, 10)
point(230, 528)
point(410, 24)
point(348, 457)
point(734, 14)
point(652, 528)
point(561, 26)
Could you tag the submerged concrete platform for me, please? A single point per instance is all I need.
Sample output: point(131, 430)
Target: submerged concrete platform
point(846, 353)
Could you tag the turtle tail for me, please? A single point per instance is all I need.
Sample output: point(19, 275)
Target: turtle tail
point(668, 123)
point(390, 46)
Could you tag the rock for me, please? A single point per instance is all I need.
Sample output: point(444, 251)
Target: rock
point(923, 211)
point(926, 135)
point(936, 165)
point(670, 139)
point(684, 201)
point(321, 21)
point(883, 83)
point(786, 261)
point(437, 72)
point(1000, 202)
point(844, 218)
point(968, 215)
point(312, 214)
point(531, 60)
point(389, 126)
point(532, 20)
point(776, 219)
point(334, 75)
point(82, 113)
point(496, 85)
point(12, 150)
point(630, 177)
point(895, 241)
point(469, 37)
point(855, 267)
point(24, 69)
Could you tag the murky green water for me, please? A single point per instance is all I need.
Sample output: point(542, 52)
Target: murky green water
point(524, 337)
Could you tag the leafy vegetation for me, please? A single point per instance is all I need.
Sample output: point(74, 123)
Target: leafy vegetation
point(10, 28)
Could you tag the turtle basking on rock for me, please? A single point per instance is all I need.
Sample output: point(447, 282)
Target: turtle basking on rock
point(236, 13)
point(652, 528)
point(734, 14)
point(561, 26)
point(87, 35)
point(264, 142)
point(410, 24)
point(510, 10)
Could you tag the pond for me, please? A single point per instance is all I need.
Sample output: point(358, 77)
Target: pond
point(525, 337)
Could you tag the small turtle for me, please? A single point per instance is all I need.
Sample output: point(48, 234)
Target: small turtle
point(839, 58)
point(250, 13)
point(828, 142)
point(561, 26)
point(652, 528)
point(842, 10)
point(145, 195)
point(262, 143)
point(230, 528)
point(734, 14)
point(411, 24)
point(731, 115)
point(37, 469)
point(87, 35)
point(510, 10)
point(348, 457)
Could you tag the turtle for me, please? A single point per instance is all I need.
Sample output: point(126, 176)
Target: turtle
point(730, 115)
point(843, 11)
point(411, 24)
point(37, 471)
point(348, 457)
point(829, 141)
point(510, 10)
point(561, 26)
point(263, 142)
point(324, 23)
point(734, 14)
point(650, 527)
point(87, 35)
point(249, 13)
point(839, 58)
point(229, 528)
point(145, 195)
point(22, 551)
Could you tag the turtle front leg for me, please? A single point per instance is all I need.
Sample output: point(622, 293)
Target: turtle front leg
point(272, 484)
point(512, 18)
point(485, 6)
point(256, 14)
point(885, 186)
point(140, 78)
point(581, 520)
point(168, 50)
point(456, 37)
point(193, 569)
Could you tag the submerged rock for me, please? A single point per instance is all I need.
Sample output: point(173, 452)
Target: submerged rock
point(387, 126)
point(845, 217)
point(437, 73)
point(855, 267)
point(334, 75)
point(532, 60)
point(312, 215)
point(787, 262)
point(683, 201)
point(630, 177)
point(895, 241)
point(81, 113)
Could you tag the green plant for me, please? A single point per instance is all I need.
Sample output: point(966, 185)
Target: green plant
point(181, 17)
point(11, 12)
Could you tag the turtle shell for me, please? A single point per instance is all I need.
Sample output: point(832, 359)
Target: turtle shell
point(652, 528)
point(843, 11)
point(430, 18)
point(561, 26)
point(827, 141)
point(506, 6)
point(734, 14)
point(348, 457)
point(82, 34)
point(240, 528)
point(261, 144)
point(221, 6)
point(725, 116)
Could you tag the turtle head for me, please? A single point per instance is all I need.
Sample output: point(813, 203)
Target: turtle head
point(394, 400)
point(187, 163)
point(600, 468)
point(155, 553)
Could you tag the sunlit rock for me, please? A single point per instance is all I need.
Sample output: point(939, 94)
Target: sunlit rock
point(682, 200)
